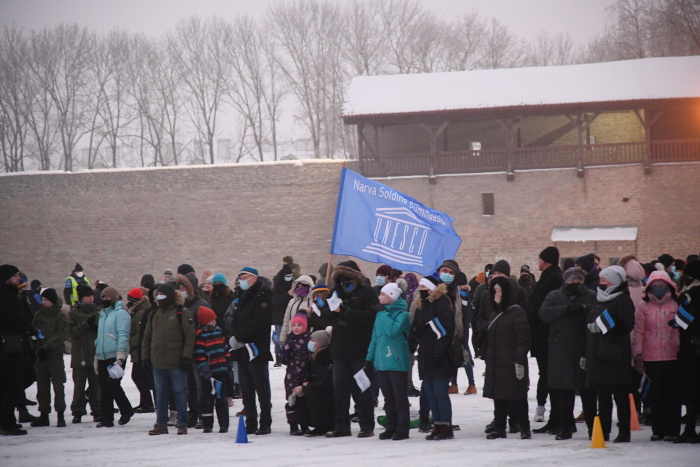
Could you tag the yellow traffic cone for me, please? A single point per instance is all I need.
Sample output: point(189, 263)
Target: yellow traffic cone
point(597, 440)
point(634, 420)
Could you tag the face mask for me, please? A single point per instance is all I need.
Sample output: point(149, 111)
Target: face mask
point(572, 289)
point(319, 301)
point(464, 293)
point(184, 293)
point(381, 281)
point(602, 287)
point(311, 346)
point(447, 278)
point(658, 291)
point(348, 286)
point(676, 275)
point(243, 284)
point(218, 287)
point(160, 297)
point(424, 294)
point(302, 291)
point(107, 303)
point(288, 277)
point(79, 274)
point(488, 273)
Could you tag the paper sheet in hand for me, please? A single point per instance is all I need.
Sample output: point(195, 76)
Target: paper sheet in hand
point(363, 381)
point(316, 310)
point(334, 301)
point(115, 371)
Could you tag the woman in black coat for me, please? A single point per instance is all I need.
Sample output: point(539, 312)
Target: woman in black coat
point(318, 390)
point(609, 352)
point(507, 380)
point(564, 311)
point(435, 315)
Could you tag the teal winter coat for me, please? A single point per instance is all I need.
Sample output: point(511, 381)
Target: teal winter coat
point(388, 349)
point(112, 332)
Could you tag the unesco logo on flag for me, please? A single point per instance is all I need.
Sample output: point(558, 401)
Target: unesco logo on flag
point(399, 235)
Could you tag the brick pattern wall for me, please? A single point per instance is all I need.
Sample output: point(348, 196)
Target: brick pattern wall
point(120, 224)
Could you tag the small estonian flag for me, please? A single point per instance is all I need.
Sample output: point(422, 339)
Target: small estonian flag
point(644, 386)
point(605, 322)
point(252, 350)
point(684, 318)
point(437, 327)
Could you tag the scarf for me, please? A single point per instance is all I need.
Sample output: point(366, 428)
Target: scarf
point(609, 294)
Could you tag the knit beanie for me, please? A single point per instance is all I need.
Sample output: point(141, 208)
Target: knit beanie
point(587, 262)
point(84, 291)
point(429, 282)
point(7, 271)
point(322, 337)
point(574, 274)
point(301, 319)
point(134, 295)
point(205, 315)
point(288, 260)
point(481, 277)
point(50, 295)
point(614, 274)
point(184, 269)
point(218, 277)
point(148, 281)
point(168, 272)
point(384, 270)
point(392, 290)
point(350, 264)
point(692, 269)
point(450, 263)
point(167, 289)
point(111, 293)
point(550, 255)
point(320, 288)
point(502, 266)
point(248, 270)
point(77, 267)
point(35, 284)
point(666, 260)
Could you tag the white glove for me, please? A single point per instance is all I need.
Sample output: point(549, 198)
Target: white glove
point(593, 327)
point(94, 365)
point(519, 371)
point(582, 363)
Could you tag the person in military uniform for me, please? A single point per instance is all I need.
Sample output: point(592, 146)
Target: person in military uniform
point(84, 317)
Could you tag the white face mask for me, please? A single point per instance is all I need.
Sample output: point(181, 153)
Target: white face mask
point(79, 274)
point(160, 297)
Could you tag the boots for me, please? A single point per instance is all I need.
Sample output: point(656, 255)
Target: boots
point(525, 430)
point(43, 420)
point(25, 416)
point(61, 423)
point(425, 426)
point(496, 433)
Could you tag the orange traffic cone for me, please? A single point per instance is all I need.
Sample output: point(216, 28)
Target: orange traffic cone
point(597, 439)
point(634, 420)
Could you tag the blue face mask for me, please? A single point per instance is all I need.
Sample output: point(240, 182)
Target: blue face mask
point(658, 291)
point(319, 301)
point(464, 293)
point(311, 346)
point(447, 278)
point(348, 286)
point(243, 284)
point(184, 294)
point(381, 281)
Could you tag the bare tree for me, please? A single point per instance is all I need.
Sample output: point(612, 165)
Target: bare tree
point(548, 50)
point(501, 48)
point(401, 20)
point(677, 26)
point(364, 47)
point(465, 42)
point(13, 121)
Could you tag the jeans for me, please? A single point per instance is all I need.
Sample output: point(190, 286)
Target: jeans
point(169, 380)
point(344, 385)
point(255, 379)
point(436, 392)
point(111, 391)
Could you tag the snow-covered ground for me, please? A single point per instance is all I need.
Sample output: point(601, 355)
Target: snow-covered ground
point(85, 445)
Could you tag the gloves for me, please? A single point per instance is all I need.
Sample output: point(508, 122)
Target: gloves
point(121, 358)
point(582, 363)
point(639, 364)
point(519, 371)
point(186, 364)
point(673, 324)
point(576, 309)
point(146, 365)
point(95, 366)
point(592, 327)
point(42, 354)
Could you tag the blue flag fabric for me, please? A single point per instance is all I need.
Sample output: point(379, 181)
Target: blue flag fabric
point(379, 224)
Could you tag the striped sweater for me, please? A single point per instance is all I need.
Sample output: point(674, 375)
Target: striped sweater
point(210, 350)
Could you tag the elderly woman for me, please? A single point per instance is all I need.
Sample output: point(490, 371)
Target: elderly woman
point(609, 350)
point(507, 380)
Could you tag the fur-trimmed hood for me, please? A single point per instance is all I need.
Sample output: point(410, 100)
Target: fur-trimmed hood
point(346, 271)
point(434, 295)
point(304, 279)
point(184, 281)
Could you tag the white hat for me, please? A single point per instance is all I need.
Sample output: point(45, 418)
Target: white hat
point(392, 290)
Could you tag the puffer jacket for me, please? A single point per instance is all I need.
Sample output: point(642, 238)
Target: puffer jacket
point(296, 304)
point(388, 349)
point(167, 339)
point(653, 339)
point(112, 332)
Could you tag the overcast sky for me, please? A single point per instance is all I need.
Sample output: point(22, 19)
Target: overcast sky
point(583, 19)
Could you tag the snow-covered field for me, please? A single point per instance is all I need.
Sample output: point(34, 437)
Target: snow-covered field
point(85, 445)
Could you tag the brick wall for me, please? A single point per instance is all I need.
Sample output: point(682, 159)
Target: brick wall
point(120, 224)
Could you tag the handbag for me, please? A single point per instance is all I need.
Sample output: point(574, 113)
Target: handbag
point(13, 344)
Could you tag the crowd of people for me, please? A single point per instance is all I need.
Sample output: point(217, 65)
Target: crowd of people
point(611, 335)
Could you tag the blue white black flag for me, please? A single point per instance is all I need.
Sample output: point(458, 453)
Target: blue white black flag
point(684, 318)
point(605, 322)
point(437, 327)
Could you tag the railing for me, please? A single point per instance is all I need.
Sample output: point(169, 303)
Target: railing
point(495, 160)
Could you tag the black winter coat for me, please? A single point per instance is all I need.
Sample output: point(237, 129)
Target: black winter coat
point(280, 294)
point(689, 353)
point(550, 280)
point(252, 319)
point(219, 304)
point(509, 342)
point(484, 313)
point(609, 356)
point(433, 353)
point(567, 337)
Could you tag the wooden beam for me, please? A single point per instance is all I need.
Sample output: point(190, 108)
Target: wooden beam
point(647, 123)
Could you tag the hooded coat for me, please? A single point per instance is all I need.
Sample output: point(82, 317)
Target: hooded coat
point(433, 351)
point(280, 294)
point(139, 314)
point(388, 349)
point(83, 334)
point(53, 325)
point(653, 339)
point(296, 304)
point(252, 319)
point(112, 332)
point(550, 280)
point(689, 354)
point(167, 339)
point(635, 275)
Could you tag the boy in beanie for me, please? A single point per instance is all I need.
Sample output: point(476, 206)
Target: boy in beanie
point(210, 351)
point(83, 332)
point(295, 355)
point(52, 329)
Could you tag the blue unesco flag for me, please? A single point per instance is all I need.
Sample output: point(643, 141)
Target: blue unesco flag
point(381, 225)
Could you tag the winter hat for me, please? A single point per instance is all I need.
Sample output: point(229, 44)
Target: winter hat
point(550, 255)
point(350, 264)
point(193, 280)
point(392, 290)
point(586, 262)
point(77, 267)
point(481, 277)
point(666, 260)
point(134, 295)
point(504, 283)
point(288, 260)
point(692, 269)
point(7, 271)
point(205, 315)
point(110, 293)
point(168, 272)
point(167, 289)
point(488, 268)
point(50, 295)
point(218, 277)
point(502, 266)
point(450, 263)
point(248, 270)
point(384, 270)
point(403, 285)
point(84, 291)
point(148, 281)
point(301, 319)
point(574, 274)
point(614, 274)
point(524, 268)
point(429, 282)
point(568, 264)
point(184, 269)
point(320, 288)
point(322, 337)
point(35, 284)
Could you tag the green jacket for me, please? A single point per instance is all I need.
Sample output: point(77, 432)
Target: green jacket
point(54, 327)
point(388, 349)
point(83, 335)
point(167, 340)
point(137, 314)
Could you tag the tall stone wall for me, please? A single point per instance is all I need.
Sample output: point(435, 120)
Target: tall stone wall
point(120, 224)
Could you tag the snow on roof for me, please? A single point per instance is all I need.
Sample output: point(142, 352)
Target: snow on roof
point(630, 80)
point(594, 234)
